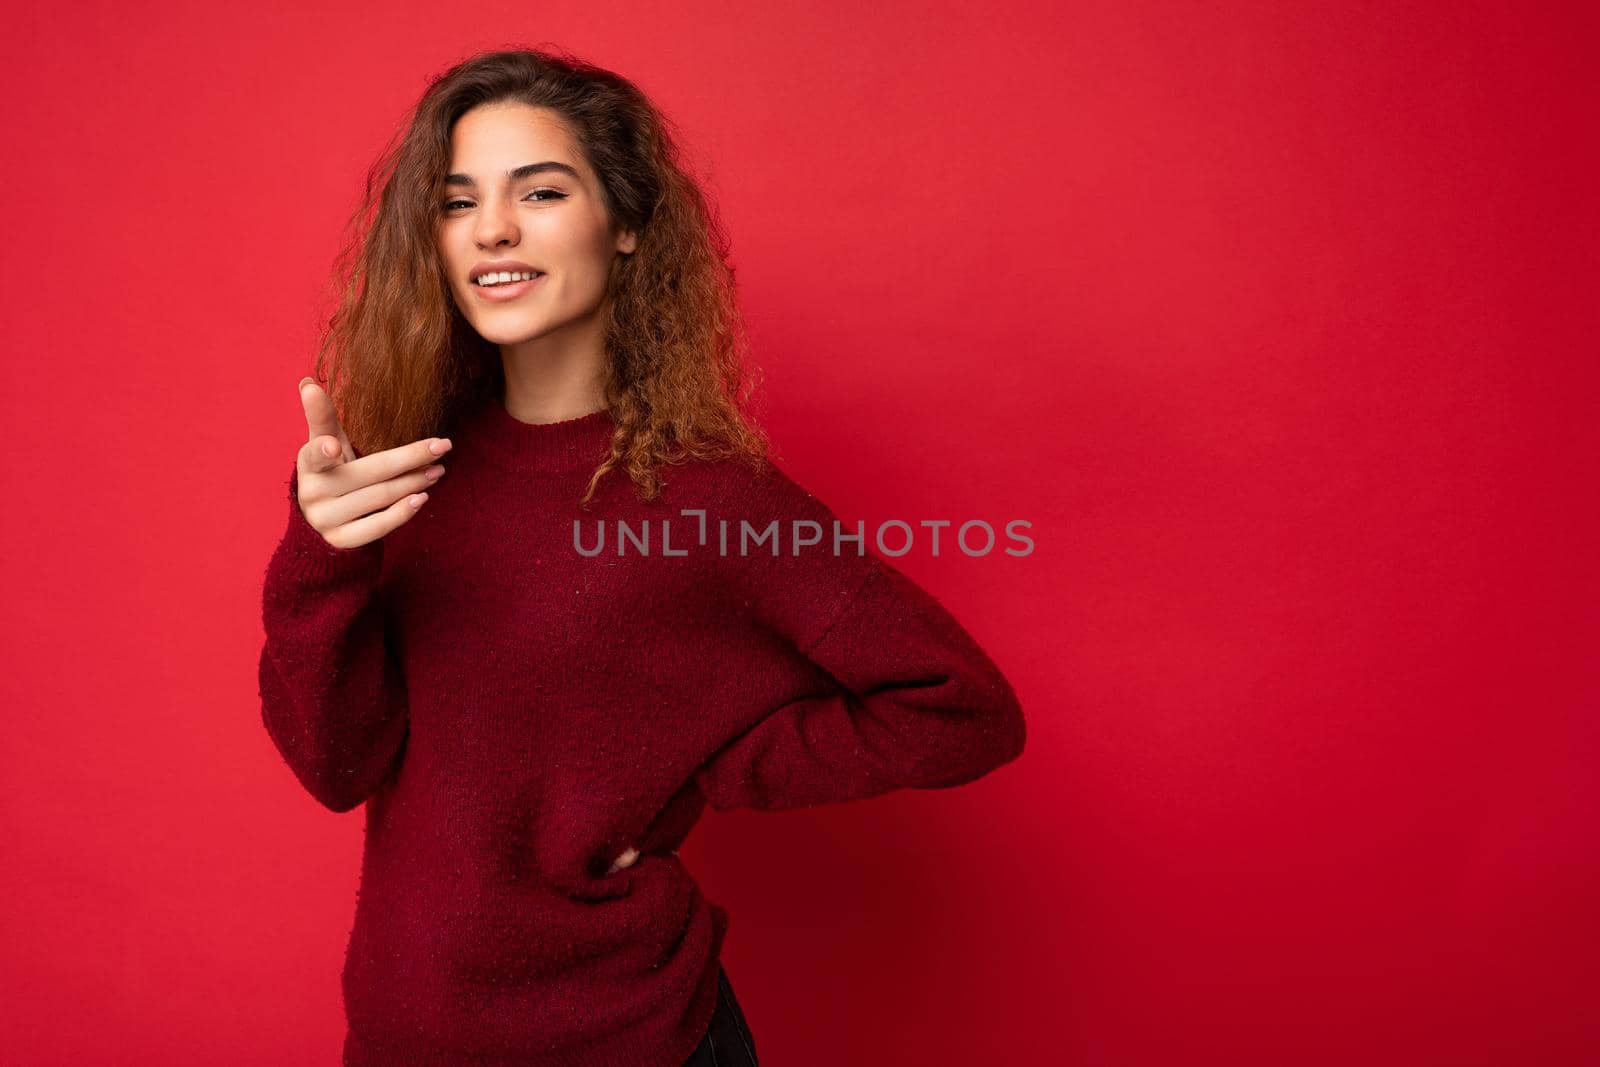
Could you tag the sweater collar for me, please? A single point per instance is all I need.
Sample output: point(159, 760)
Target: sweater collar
point(571, 444)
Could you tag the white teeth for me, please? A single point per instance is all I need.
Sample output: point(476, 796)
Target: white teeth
point(502, 277)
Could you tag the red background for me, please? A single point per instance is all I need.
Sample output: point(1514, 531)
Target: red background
point(1277, 321)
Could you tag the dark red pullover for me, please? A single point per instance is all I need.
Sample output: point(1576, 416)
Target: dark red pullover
point(516, 713)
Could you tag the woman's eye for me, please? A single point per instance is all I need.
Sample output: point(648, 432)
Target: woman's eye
point(451, 205)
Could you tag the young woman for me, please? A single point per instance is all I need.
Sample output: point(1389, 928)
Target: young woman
point(538, 671)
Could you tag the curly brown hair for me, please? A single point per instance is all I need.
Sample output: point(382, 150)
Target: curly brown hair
point(397, 353)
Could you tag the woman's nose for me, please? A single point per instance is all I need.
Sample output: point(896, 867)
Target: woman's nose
point(494, 226)
point(624, 860)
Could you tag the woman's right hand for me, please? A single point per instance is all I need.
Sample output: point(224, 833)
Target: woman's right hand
point(352, 502)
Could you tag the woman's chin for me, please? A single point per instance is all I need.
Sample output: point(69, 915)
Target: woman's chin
point(507, 333)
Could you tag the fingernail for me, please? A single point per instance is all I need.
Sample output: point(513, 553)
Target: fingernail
point(434, 472)
point(304, 380)
point(440, 447)
point(330, 449)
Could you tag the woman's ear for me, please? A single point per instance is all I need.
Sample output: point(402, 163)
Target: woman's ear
point(627, 242)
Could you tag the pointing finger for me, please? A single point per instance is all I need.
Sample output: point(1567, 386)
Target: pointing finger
point(323, 421)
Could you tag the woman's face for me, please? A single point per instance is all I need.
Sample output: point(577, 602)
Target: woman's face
point(519, 191)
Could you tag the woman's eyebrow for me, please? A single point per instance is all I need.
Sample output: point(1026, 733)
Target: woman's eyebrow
point(524, 171)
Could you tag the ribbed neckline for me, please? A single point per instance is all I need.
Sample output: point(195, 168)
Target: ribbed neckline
point(570, 444)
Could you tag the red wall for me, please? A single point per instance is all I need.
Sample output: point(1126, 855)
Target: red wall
point(1277, 322)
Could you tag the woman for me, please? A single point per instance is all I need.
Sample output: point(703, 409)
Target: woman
point(536, 710)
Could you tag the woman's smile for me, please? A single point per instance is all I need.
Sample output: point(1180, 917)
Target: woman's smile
point(500, 292)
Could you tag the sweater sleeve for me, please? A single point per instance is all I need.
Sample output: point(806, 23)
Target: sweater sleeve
point(907, 698)
point(332, 695)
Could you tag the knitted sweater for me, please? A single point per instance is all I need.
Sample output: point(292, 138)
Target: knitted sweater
point(516, 710)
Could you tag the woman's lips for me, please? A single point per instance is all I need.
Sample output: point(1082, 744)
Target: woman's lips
point(498, 294)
